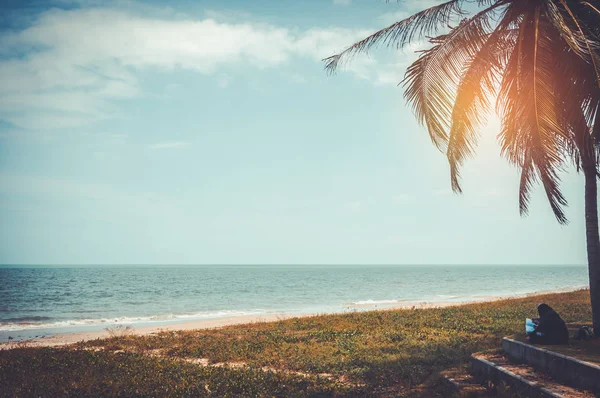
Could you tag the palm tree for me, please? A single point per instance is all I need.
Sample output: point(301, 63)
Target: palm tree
point(539, 61)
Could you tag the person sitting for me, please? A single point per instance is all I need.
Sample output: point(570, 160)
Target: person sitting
point(550, 328)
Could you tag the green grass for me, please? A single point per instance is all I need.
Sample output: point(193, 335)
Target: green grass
point(396, 352)
point(62, 372)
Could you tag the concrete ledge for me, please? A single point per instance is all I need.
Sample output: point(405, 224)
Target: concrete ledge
point(568, 370)
point(451, 387)
point(484, 371)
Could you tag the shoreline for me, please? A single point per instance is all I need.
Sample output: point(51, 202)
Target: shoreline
point(64, 339)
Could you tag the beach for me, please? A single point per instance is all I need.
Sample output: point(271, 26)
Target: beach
point(84, 301)
point(63, 339)
point(387, 352)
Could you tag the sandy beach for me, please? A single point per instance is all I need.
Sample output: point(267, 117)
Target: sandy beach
point(71, 338)
point(63, 339)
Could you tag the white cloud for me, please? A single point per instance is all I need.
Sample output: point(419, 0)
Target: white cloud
point(318, 43)
point(170, 145)
point(383, 73)
point(84, 59)
point(89, 57)
point(136, 41)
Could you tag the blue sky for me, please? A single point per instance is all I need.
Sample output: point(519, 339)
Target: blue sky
point(208, 132)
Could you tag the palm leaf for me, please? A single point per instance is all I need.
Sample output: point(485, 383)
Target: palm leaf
point(590, 44)
point(477, 85)
point(510, 135)
point(402, 32)
point(527, 182)
point(540, 113)
point(532, 135)
point(431, 81)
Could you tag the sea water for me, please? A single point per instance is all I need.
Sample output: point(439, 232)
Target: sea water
point(38, 301)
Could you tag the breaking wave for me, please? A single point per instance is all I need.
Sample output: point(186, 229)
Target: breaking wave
point(41, 322)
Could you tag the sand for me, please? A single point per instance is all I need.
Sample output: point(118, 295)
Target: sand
point(71, 338)
point(63, 339)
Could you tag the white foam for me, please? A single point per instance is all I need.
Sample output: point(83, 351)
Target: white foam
point(129, 320)
point(374, 302)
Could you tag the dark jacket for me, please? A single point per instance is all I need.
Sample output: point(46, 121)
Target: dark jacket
point(551, 329)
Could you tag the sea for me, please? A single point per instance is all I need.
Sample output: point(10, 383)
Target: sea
point(38, 301)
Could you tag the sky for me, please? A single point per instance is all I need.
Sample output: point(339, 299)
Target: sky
point(207, 132)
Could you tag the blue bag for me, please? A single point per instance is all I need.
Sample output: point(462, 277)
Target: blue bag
point(529, 325)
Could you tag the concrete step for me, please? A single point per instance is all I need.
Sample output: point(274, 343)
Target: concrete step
point(568, 370)
point(521, 379)
point(460, 382)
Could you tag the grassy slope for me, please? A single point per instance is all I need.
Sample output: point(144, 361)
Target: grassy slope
point(363, 353)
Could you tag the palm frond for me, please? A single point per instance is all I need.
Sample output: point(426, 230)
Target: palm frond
point(429, 98)
point(510, 136)
point(577, 99)
point(528, 179)
point(569, 32)
point(592, 46)
point(431, 81)
point(596, 124)
point(544, 125)
point(595, 138)
point(477, 85)
point(423, 23)
point(532, 134)
point(592, 7)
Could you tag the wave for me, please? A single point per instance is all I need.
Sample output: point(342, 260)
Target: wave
point(25, 319)
point(439, 297)
point(374, 302)
point(39, 322)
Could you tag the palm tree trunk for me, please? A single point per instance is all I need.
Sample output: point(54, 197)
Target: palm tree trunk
point(593, 243)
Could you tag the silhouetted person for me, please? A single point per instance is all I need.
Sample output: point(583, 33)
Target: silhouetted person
point(550, 329)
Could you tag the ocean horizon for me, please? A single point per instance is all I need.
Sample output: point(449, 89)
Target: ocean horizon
point(41, 300)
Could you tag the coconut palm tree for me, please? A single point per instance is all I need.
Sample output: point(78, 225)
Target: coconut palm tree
point(539, 62)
